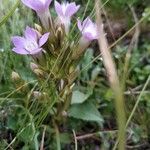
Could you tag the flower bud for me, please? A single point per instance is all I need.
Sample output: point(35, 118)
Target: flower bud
point(38, 27)
point(15, 76)
point(33, 66)
point(60, 32)
point(38, 72)
point(18, 82)
point(39, 95)
point(64, 114)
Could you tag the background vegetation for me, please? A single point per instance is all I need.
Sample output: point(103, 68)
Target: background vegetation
point(91, 118)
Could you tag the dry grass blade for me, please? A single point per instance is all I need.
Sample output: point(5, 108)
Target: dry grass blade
point(113, 78)
point(75, 140)
point(42, 142)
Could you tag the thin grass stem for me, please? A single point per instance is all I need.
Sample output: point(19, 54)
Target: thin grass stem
point(113, 79)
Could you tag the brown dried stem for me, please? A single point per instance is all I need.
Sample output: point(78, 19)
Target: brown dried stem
point(113, 78)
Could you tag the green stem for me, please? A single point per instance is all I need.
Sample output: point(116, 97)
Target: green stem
point(137, 102)
point(65, 105)
point(57, 136)
point(133, 110)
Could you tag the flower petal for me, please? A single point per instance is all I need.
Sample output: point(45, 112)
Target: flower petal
point(89, 36)
point(30, 34)
point(36, 51)
point(47, 3)
point(37, 5)
point(79, 25)
point(87, 22)
point(71, 9)
point(88, 29)
point(21, 51)
point(58, 9)
point(43, 39)
point(18, 41)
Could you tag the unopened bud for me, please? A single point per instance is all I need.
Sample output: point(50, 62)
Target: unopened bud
point(60, 32)
point(15, 76)
point(33, 66)
point(64, 114)
point(39, 72)
point(38, 27)
point(39, 95)
point(18, 82)
point(52, 47)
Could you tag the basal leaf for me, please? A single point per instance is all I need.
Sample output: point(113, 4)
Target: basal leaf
point(85, 111)
point(78, 97)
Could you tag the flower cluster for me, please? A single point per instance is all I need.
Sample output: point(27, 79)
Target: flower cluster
point(55, 53)
point(34, 40)
point(55, 49)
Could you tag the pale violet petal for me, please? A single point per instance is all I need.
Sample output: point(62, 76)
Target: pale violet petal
point(18, 41)
point(89, 36)
point(37, 5)
point(89, 29)
point(31, 33)
point(35, 51)
point(21, 51)
point(43, 39)
point(47, 3)
point(58, 9)
point(71, 9)
point(87, 22)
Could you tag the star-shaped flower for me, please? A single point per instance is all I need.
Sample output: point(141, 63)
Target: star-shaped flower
point(88, 29)
point(65, 11)
point(31, 43)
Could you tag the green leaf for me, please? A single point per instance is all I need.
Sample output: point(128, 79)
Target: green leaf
point(12, 122)
point(86, 63)
point(65, 138)
point(85, 111)
point(95, 72)
point(78, 97)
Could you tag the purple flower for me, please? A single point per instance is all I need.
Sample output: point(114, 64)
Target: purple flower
point(31, 43)
point(65, 11)
point(88, 29)
point(38, 5)
point(42, 9)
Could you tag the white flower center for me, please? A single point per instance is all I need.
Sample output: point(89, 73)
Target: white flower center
point(90, 29)
point(31, 45)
